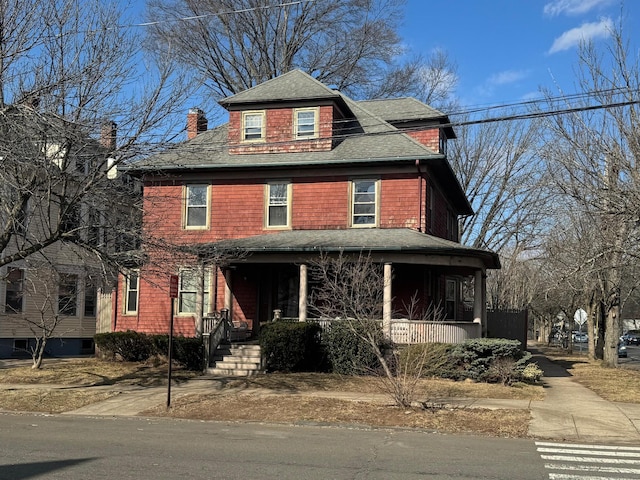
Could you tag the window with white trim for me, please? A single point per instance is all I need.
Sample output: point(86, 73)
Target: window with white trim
point(253, 126)
point(131, 292)
point(68, 294)
point(278, 204)
point(14, 290)
point(364, 203)
point(306, 122)
point(188, 290)
point(196, 206)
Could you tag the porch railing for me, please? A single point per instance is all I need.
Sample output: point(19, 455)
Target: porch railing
point(216, 329)
point(405, 331)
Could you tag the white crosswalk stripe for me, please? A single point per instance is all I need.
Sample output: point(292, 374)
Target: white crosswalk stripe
point(568, 461)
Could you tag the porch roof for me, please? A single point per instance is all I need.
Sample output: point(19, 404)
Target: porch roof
point(398, 241)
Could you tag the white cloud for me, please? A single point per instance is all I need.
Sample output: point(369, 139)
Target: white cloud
point(506, 77)
point(572, 38)
point(574, 7)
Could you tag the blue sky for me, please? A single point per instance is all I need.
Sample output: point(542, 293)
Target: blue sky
point(507, 49)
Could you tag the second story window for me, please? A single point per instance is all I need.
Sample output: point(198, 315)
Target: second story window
point(253, 126)
point(278, 201)
point(196, 206)
point(306, 123)
point(14, 292)
point(364, 203)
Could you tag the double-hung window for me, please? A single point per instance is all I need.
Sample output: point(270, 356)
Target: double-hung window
point(131, 293)
point(252, 126)
point(196, 206)
point(364, 203)
point(306, 123)
point(188, 290)
point(68, 294)
point(14, 292)
point(278, 204)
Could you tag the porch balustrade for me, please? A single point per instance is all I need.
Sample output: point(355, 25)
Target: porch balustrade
point(404, 331)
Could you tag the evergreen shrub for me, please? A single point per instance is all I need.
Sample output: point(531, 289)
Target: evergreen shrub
point(291, 346)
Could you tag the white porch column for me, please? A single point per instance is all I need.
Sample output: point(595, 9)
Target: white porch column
point(480, 300)
point(228, 294)
point(386, 302)
point(302, 294)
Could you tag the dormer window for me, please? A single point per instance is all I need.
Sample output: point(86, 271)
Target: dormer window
point(253, 126)
point(306, 122)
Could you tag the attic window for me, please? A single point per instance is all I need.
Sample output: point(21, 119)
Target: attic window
point(252, 126)
point(306, 123)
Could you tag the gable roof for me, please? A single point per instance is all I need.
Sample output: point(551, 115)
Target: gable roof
point(291, 86)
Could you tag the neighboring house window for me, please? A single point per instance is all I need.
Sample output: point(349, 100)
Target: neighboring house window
point(278, 201)
point(68, 294)
point(21, 220)
point(90, 299)
point(306, 122)
point(364, 203)
point(196, 206)
point(131, 292)
point(253, 126)
point(450, 298)
point(14, 293)
point(188, 291)
point(70, 219)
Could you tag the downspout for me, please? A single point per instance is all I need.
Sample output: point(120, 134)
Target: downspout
point(419, 196)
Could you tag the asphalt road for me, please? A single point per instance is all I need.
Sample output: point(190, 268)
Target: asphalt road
point(74, 448)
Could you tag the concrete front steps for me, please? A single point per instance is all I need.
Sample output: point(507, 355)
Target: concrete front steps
point(236, 360)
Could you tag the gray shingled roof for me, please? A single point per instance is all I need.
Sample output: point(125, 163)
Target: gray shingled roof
point(400, 109)
point(367, 138)
point(379, 240)
point(293, 85)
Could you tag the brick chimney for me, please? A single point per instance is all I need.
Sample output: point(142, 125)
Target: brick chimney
point(108, 135)
point(196, 123)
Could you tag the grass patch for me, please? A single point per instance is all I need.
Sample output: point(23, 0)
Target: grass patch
point(432, 387)
point(48, 400)
point(297, 409)
point(93, 371)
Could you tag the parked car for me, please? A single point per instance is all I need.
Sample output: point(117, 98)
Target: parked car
point(622, 350)
point(632, 337)
point(580, 337)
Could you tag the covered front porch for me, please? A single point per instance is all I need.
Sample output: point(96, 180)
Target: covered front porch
point(271, 280)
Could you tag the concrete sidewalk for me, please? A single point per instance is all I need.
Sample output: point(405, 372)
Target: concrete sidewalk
point(572, 412)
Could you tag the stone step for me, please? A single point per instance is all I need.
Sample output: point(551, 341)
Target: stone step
point(232, 372)
point(236, 360)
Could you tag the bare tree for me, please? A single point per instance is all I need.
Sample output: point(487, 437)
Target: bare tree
point(500, 172)
point(351, 290)
point(78, 100)
point(594, 156)
point(66, 73)
point(352, 45)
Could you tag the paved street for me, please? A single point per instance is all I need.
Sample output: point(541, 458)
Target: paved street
point(74, 448)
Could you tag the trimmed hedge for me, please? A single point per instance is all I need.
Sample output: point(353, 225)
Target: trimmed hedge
point(292, 347)
point(348, 353)
point(133, 346)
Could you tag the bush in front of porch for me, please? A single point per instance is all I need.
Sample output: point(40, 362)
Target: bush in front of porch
point(292, 347)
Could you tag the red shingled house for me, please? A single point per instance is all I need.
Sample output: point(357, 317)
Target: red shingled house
point(301, 169)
